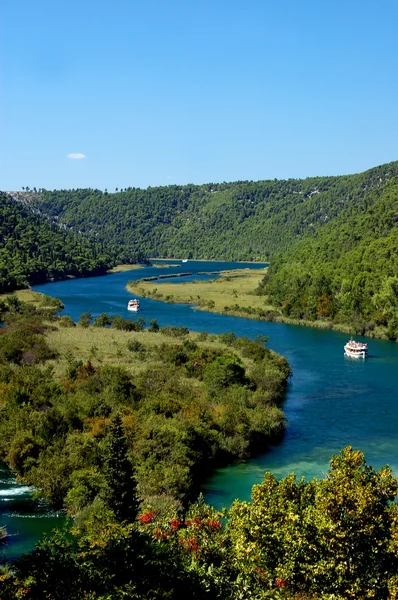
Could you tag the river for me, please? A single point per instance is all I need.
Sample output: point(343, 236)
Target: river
point(332, 401)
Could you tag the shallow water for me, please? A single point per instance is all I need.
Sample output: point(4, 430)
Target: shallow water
point(25, 520)
point(332, 401)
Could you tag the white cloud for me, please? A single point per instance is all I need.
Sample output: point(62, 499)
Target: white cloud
point(76, 155)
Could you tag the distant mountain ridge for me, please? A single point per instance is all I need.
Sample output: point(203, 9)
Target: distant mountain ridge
point(242, 220)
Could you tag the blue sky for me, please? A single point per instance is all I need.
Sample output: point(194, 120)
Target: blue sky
point(159, 93)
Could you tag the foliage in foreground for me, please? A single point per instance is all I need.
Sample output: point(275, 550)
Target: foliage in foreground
point(330, 539)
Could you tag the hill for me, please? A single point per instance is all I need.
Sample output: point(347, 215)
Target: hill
point(243, 220)
point(347, 272)
point(34, 250)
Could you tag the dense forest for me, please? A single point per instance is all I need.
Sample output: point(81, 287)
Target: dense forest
point(244, 220)
point(119, 421)
point(33, 250)
point(347, 272)
point(332, 241)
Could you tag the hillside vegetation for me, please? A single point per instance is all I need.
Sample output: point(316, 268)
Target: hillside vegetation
point(347, 272)
point(332, 241)
point(243, 220)
point(33, 250)
point(117, 422)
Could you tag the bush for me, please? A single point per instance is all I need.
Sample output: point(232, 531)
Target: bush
point(224, 371)
point(228, 338)
point(135, 346)
point(153, 326)
point(174, 331)
point(66, 321)
point(85, 319)
point(103, 320)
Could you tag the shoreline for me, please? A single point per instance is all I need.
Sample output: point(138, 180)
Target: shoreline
point(216, 260)
point(122, 268)
point(268, 313)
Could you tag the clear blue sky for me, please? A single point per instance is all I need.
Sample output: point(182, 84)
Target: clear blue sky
point(173, 92)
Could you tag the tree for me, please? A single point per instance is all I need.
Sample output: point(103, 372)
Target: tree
point(120, 491)
point(153, 326)
point(224, 371)
point(335, 536)
point(103, 320)
point(85, 319)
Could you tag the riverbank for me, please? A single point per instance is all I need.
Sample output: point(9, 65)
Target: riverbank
point(234, 293)
point(122, 268)
point(40, 302)
point(211, 260)
point(220, 295)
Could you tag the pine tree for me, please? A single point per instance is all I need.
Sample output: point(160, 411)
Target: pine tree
point(120, 492)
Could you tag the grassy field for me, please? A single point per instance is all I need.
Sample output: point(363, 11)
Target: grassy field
point(121, 268)
point(164, 266)
point(108, 346)
point(38, 300)
point(231, 293)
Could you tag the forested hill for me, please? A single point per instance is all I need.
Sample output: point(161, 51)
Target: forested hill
point(347, 272)
point(234, 221)
point(33, 250)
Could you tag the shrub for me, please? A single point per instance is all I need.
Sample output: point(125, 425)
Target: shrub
point(174, 331)
point(85, 319)
point(103, 320)
point(66, 321)
point(135, 346)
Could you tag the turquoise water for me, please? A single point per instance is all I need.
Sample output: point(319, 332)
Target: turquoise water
point(25, 519)
point(332, 401)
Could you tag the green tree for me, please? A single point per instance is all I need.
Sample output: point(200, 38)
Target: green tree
point(120, 491)
point(85, 319)
point(224, 371)
point(336, 536)
point(153, 326)
point(103, 320)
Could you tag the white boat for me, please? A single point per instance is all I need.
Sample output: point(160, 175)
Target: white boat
point(184, 260)
point(356, 349)
point(133, 305)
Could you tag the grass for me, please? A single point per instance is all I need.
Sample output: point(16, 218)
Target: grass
point(121, 268)
point(165, 266)
point(26, 296)
point(108, 346)
point(37, 299)
point(231, 293)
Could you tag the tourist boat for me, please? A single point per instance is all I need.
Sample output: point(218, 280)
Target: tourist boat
point(133, 305)
point(356, 349)
point(184, 260)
